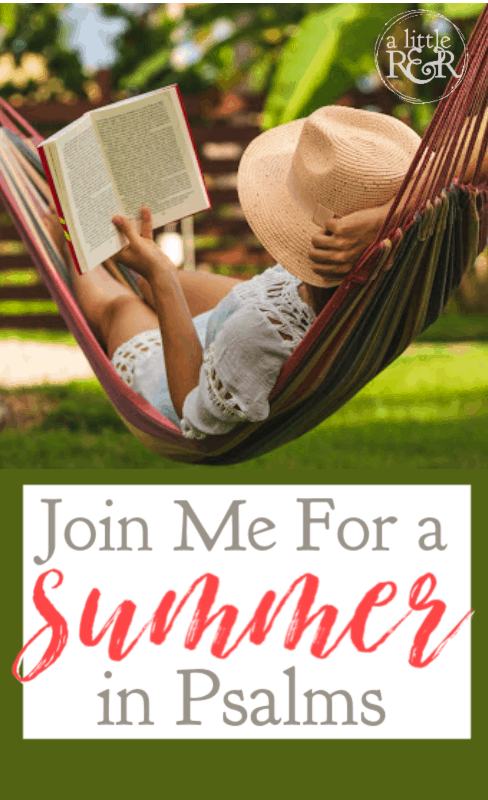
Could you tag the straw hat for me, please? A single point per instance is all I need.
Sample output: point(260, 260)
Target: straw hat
point(295, 177)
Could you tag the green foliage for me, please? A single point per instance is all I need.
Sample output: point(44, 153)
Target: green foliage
point(421, 115)
point(144, 73)
point(8, 16)
point(141, 41)
point(306, 61)
point(145, 49)
point(457, 328)
point(330, 51)
point(311, 53)
point(454, 11)
point(19, 278)
point(93, 416)
point(332, 47)
point(36, 335)
point(35, 28)
point(22, 307)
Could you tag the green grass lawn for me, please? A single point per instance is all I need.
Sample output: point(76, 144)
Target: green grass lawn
point(429, 410)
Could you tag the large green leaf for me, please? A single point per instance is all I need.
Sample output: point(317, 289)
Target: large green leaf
point(323, 60)
point(305, 62)
point(455, 10)
point(144, 72)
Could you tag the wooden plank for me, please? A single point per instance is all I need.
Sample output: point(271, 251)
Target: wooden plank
point(221, 196)
point(15, 262)
point(216, 166)
point(33, 321)
point(36, 291)
point(221, 227)
point(224, 133)
point(9, 233)
point(54, 113)
point(229, 257)
point(208, 105)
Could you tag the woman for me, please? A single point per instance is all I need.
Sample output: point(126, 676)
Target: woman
point(209, 351)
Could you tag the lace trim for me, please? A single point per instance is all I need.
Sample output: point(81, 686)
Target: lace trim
point(284, 309)
point(222, 397)
point(124, 358)
point(276, 293)
point(189, 432)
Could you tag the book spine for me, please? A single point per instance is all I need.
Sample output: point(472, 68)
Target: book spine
point(58, 207)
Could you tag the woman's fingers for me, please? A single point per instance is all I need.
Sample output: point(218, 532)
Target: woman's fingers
point(146, 223)
point(326, 272)
point(127, 227)
point(329, 241)
point(335, 258)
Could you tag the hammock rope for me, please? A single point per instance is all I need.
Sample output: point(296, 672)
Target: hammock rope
point(436, 227)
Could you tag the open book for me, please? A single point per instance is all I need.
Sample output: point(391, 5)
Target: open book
point(117, 158)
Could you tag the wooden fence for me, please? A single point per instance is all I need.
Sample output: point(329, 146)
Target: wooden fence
point(222, 126)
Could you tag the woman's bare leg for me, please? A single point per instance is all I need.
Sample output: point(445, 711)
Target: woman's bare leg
point(115, 314)
point(202, 290)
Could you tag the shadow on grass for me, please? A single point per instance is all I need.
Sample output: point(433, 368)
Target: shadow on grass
point(97, 439)
point(427, 411)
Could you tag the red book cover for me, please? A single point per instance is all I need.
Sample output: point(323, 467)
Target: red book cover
point(58, 205)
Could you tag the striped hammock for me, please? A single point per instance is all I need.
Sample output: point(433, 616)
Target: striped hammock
point(398, 288)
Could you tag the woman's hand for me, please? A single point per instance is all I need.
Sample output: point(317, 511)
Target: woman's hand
point(141, 253)
point(339, 247)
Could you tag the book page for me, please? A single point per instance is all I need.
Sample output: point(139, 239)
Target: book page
point(92, 198)
point(151, 157)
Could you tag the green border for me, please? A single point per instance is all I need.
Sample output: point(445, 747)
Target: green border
point(230, 769)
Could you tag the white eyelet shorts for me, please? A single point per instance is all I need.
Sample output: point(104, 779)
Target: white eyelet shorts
point(140, 363)
point(137, 350)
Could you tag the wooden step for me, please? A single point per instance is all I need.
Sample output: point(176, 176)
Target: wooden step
point(33, 321)
point(15, 262)
point(33, 292)
point(9, 233)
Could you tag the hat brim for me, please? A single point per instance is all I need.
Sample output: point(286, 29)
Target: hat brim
point(272, 210)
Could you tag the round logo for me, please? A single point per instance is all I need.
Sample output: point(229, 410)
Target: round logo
point(417, 54)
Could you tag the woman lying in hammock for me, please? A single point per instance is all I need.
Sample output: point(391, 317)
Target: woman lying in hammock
point(209, 351)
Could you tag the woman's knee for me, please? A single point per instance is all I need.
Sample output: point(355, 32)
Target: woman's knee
point(120, 306)
point(125, 317)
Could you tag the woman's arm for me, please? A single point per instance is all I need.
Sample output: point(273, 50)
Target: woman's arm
point(182, 348)
point(339, 247)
